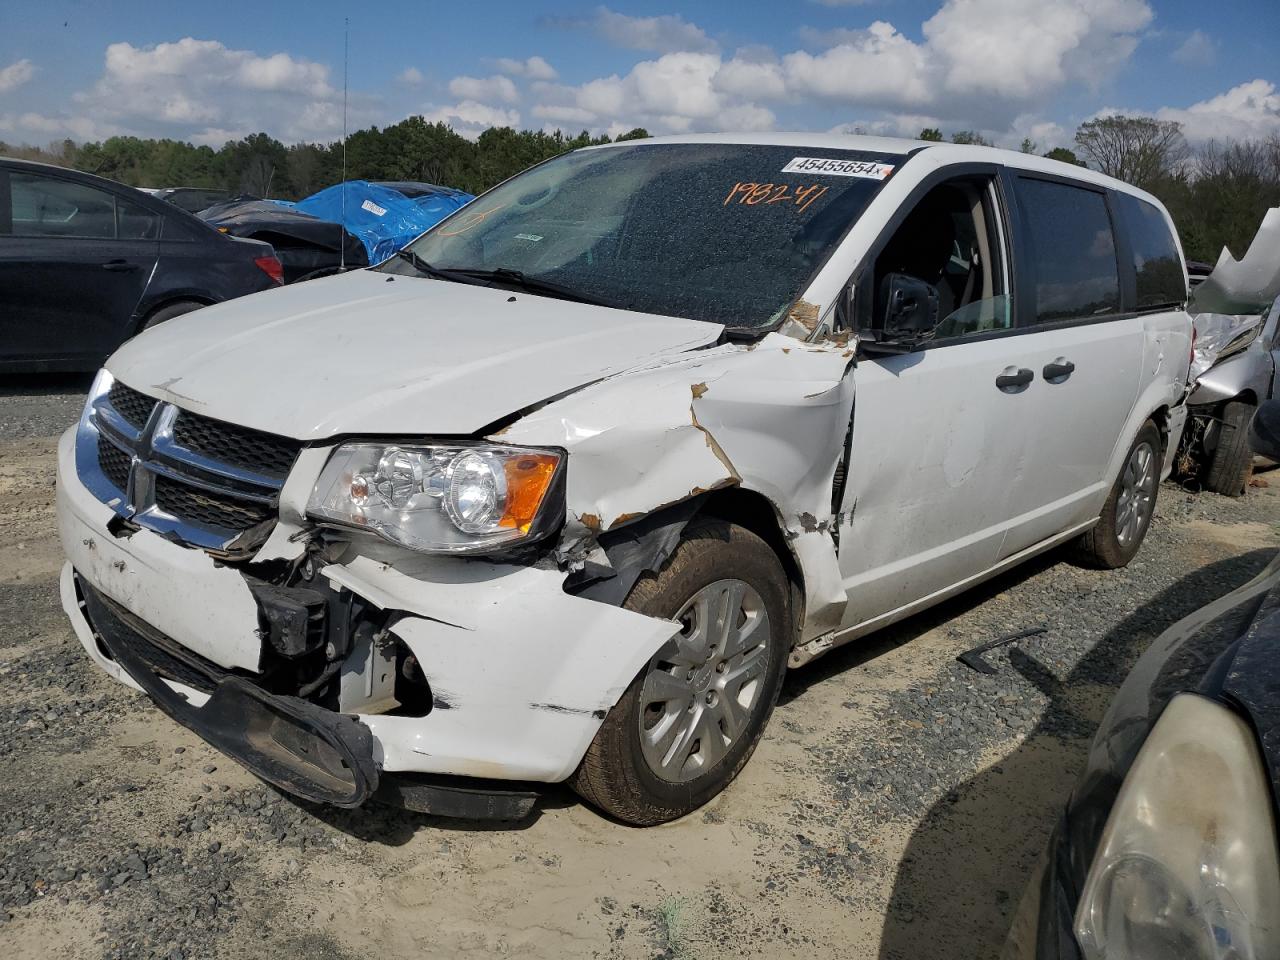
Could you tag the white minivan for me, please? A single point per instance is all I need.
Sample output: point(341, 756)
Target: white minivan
point(559, 492)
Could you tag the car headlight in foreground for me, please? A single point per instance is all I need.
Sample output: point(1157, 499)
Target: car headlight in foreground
point(439, 498)
point(1187, 864)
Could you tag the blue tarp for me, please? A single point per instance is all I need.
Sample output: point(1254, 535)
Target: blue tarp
point(383, 219)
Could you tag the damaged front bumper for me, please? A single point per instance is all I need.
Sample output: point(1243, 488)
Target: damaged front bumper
point(521, 673)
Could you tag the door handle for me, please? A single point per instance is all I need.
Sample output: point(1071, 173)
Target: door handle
point(119, 266)
point(1059, 370)
point(1014, 379)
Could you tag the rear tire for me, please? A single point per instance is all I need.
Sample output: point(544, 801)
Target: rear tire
point(168, 312)
point(653, 759)
point(1126, 515)
point(1232, 463)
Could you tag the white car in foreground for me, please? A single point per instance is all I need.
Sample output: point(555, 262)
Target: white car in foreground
point(560, 492)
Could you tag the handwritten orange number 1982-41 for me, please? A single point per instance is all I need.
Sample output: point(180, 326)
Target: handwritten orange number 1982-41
point(752, 194)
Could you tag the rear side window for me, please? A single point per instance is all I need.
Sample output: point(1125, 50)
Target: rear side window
point(1161, 282)
point(50, 207)
point(135, 223)
point(1072, 250)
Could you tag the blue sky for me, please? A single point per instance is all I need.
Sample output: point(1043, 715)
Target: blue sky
point(1011, 68)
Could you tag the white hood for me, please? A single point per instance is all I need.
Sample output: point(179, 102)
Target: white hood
point(366, 353)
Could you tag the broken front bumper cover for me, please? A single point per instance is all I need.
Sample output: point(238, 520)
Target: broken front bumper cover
point(295, 745)
point(299, 747)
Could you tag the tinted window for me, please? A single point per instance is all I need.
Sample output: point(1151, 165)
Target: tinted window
point(136, 223)
point(49, 207)
point(1073, 252)
point(1155, 254)
point(722, 232)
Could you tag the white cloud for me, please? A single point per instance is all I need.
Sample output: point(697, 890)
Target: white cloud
point(564, 114)
point(496, 87)
point(172, 87)
point(881, 68)
point(980, 63)
point(756, 79)
point(410, 77)
point(1248, 111)
point(470, 118)
point(534, 68)
point(16, 74)
point(1018, 49)
point(1198, 50)
point(38, 126)
point(668, 33)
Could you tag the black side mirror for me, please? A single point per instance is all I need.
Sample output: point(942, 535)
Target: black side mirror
point(1264, 435)
point(909, 307)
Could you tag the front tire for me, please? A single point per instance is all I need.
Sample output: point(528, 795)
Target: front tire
point(692, 717)
point(1232, 463)
point(1126, 515)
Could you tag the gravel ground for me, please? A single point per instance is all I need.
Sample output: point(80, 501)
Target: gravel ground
point(894, 810)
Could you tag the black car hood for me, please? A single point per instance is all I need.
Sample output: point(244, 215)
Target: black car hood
point(283, 227)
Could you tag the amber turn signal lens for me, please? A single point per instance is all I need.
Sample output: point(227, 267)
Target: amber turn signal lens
point(528, 479)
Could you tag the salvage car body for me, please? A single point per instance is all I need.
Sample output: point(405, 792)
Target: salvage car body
point(1167, 846)
point(504, 667)
point(1243, 367)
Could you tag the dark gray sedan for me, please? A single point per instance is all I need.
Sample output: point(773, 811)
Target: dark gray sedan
point(85, 263)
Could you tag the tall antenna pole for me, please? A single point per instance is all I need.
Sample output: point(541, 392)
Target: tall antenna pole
point(342, 236)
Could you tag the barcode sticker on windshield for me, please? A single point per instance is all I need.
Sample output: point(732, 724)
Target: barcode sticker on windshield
point(373, 208)
point(867, 169)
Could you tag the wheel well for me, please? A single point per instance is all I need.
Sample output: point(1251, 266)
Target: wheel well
point(753, 511)
point(1160, 417)
point(169, 302)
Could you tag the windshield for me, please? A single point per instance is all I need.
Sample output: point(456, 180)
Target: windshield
point(727, 233)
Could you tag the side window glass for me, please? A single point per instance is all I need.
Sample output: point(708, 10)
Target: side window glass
point(1155, 255)
point(49, 207)
point(951, 242)
point(135, 223)
point(1072, 250)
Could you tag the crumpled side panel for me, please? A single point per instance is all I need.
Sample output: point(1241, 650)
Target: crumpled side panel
point(1247, 285)
point(770, 417)
point(1216, 335)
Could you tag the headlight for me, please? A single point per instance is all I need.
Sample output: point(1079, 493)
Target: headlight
point(451, 499)
point(1187, 864)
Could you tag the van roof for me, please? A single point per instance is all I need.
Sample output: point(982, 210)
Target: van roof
point(945, 152)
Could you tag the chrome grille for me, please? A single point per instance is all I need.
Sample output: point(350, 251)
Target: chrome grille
point(208, 509)
point(192, 478)
point(134, 407)
point(252, 449)
point(115, 464)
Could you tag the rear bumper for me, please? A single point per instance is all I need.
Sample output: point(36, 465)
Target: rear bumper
point(523, 673)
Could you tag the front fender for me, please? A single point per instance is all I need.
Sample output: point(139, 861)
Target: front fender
point(770, 417)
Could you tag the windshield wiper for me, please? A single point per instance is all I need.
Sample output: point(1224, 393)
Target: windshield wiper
point(507, 277)
point(503, 276)
point(425, 268)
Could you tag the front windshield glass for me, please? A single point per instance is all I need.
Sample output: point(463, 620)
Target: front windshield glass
point(728, 233)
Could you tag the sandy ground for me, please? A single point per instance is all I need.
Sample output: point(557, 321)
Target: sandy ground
point(894, 809)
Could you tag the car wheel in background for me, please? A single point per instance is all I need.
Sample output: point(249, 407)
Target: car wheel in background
point(692, 717)
point(1231, 465)
point(1126, 515)
point(168, 312)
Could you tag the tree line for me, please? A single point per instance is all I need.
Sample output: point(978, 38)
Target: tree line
point(1216, 192)
point(261, 166)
